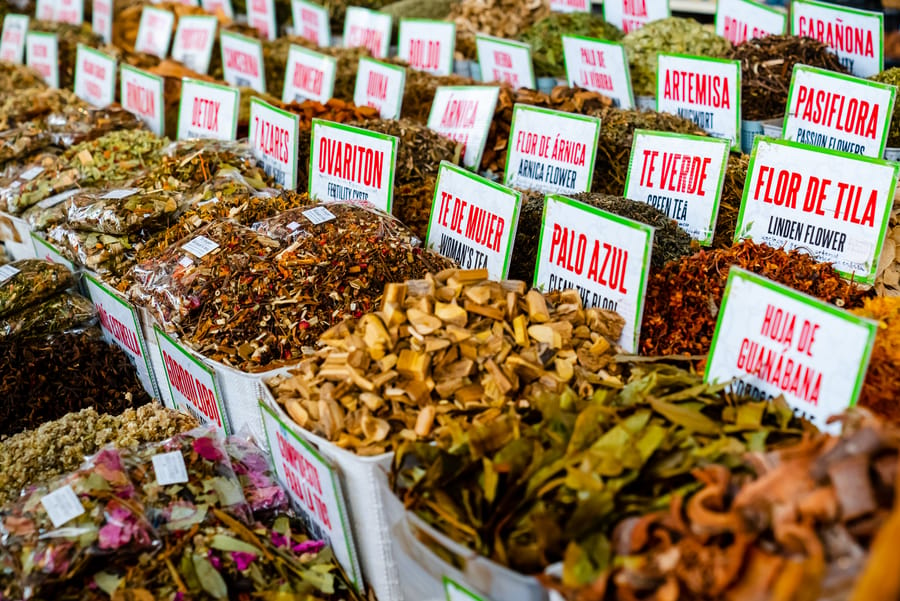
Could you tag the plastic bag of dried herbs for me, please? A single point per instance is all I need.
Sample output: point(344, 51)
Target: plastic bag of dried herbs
point(49, 212)
point(31, 103)
point(123, 210)
point(20, 175)
point(253, 468)
point(58, 314)
point(22, 140)
point(191, 162)
point(79, 123)
point(103, 253)
point(671, 35)
point(30, 281)
point(545, 38)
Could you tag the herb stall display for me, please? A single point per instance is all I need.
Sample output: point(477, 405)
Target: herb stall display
point(683, 298)
point(442, 351)
point(521, 489)
point(545, 38)
point(672, 35)
point(501, 18)
point(767, 65)
point(43, 379)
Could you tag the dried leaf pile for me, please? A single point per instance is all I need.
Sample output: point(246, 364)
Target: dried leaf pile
point(501, 18)
point(545, 38)
point(445, 350)
point(881, 387)
point(670, 242)
point(522, 489)
point(887, 275)
point(732, 195)
point(683, 298)
point(767, 65)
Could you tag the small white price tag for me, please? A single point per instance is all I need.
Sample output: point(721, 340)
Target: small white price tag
point(261, 17)
point(6, 272)
point(856, 36)
point(427, 45)
point(599, 66)
point(62, 505)
point(30, 174)
point(505, 61)
point(119, 194)
point(364, 28)
point(630, 15)
point(294, 226)
point(185, 261)
point(41, 51)
point(169, 468)
point(54, 200)
point(194, 40)
point(95, 76)
point(102, 19)
point(12, 38)
point(464, 114)
point(740, 20)
point(380, 86)
point(142, 94)
point(200, 246)
point(155, 31)
point(242, 61)
point(311, 22)
point(308, 75)
point(316, 215)
point(207, 110)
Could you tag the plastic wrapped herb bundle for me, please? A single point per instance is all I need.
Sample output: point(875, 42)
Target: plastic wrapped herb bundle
point(521, 488)
point(259, 482)
point(32, 103)
point(670, 242)
point(105, 254)
point(891, 76)
point(501, 18)
point(58, 314)
point(671, 35)
point(34, 281)
point(16, 78)
point(43, 379)
point(57, 447)
point(545, 38)
point(767, 65)
point(121, 211)
point(683, 298)
point(801, 523)
point(189, 163)
point(449, 346)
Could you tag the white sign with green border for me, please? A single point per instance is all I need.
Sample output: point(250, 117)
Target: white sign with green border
point(41, 52)
point(308, 75)
point(380, 86)
point(464, 114)
point(95, 76)
point(142, 94)
point(214, 6)
point(599, 66)
point(192, 384)
point(740, 20)
point(46, 251)
point(261, 17)
point(155, 31)
point(777, 341)
point(351, 164)
point(120, 325)
point(207, 110)
point(69, 11)
point(473, 220)
point(45, 10)
point(311, 22)
point(454, 591)
point(369, 29)
point(605, 257)
point(314, 486)
point(551, 151)
point(12, 39)
point(833, 205)
point(631, 15)
point(102, 19)
point(427, 45)
point(274, 138)
point(195, 37)
point(680, 175)
point(839, 112)
point(704, 90)
point(570, 6)
point(242, 61)
point(856, 36)
point(505, 61)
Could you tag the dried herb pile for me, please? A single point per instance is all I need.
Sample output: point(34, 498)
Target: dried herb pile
point(41, 380)
point(767, 65)
point(617, 136)
point(881, 387)
point(444, 351)
point(732, 195)
point(683, 298)
point(672, 35)
point(545, 38)
point(891, 76)
point(562, 98)
point(501, 18)
point(527, 490)
point(34, 301)
point(418, 95)
point(670, 242)
point(887, 275)
point(418, 9)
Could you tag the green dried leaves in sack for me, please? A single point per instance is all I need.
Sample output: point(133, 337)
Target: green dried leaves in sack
point(34, 281)
point(58, 314)
point(545, 38)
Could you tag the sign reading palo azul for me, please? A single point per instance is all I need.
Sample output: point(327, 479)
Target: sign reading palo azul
point(833, 205)
point(604, 257)
point(777, 341)
point(839, 112)
point(856, 36)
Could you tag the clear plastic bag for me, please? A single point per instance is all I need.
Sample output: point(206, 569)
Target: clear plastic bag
point(121, 211)
point(58, 314)
point(94, 250)
point(193, 162)
point(33, 281)
point(258, 480)
point(184, 479)
point(79, 123)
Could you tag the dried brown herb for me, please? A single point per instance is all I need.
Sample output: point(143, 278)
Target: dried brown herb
point(418, 95)
point(882, 387)
point(732, 195)
point(501, 18)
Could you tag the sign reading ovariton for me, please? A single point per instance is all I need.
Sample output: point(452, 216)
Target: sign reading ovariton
point(833, 205)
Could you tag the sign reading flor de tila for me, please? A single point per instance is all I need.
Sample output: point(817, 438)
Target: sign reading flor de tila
point(838, 112)
point(777, 341)
point(680, 175)
point(856, 36)
point(603, 256)
point(834, 206)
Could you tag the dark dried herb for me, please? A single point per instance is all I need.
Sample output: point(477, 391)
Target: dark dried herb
point(732, 195)
point(684, 297)
point(545, 38)
point(44, 380)
point(767, 65)
point(670, 242)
